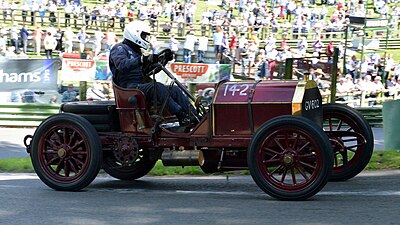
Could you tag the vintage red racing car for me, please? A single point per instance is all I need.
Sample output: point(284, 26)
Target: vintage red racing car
point(280, 131)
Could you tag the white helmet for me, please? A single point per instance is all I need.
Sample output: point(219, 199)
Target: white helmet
point(138, 32)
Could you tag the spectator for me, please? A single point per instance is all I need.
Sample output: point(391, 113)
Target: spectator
point(269, 42)
point(341, 49)
point(224, 49)
point(76, 10)
point(180, 21)
point(389, 65)
point(318, 46)
point(330, 50)
point(203, 45)
point(4, 8)
point(103, 17)
point(3, 44)
point(244, 56)
point(188, 47)
point(28, 96)
point(233, 45)
point(302, 46)
point(377, 87)
point(69, 37)
point(24, 38)
point(359, 84)
point(50, 43)
point(82, 37)
point(262, 65)
point(342, 90)
point(154, 43)
point(241, 45)
point(364, 67)
point(391, 86)
point(204, 24)
point(252, 51)
point(351, 66)
point(14, 34)
point(59, 37)
point(86, 15)
point(111, 39)
point(98, 37)
point(53, 100)
point(217, 39)
point(167, 28)
point(349, 82)
point(52, 10)
point(24, 11)
point(42, 12)
point(68, 10)
point(173, 45)
point(396, 71)
point(4, 33)
point(69, 95)
point(37, 37)
point(33, 8)
point(94, 14)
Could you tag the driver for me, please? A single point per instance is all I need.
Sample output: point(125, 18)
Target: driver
point(128, 66)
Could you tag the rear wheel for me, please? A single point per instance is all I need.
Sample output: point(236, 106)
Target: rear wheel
point(351, 138)
point(131, 171)
point(66, 152)
point(290, 158)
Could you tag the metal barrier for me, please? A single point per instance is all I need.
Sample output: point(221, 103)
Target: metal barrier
point(25, 114)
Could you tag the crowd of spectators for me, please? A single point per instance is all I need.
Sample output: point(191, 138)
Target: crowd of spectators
point(244, 32)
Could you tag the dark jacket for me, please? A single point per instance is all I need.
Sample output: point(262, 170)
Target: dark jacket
point(24, 33)
point(125, 64)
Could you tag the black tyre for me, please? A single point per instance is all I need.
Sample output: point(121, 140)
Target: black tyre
point(290, 158)
point(66, 152)
point(133, 171)
point(351, 138)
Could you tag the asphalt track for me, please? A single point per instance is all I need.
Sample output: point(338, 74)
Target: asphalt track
point(11, 141)
point(370, 198)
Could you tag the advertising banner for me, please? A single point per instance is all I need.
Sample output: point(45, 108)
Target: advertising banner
point(103, 71)
point(78, 70)
point(34, 74)
point(201, 73)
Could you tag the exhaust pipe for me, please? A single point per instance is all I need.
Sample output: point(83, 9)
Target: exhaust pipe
point(182, 158)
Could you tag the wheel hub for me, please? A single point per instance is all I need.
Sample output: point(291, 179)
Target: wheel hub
point(288, 158)
point(61, 152)
point(126, 150)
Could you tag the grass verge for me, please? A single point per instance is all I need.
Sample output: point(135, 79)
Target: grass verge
point(380, 160)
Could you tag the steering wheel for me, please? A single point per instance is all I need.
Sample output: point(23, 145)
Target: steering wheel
point(163, 58)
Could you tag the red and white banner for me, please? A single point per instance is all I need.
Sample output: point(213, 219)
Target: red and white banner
point(199, 73)
point(78, 70)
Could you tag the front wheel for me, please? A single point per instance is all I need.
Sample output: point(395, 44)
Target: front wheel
point(66, 152)
point(351, 138)
point(290, 158)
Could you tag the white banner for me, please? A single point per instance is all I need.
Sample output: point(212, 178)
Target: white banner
point(198, 73)
point(78, 70)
